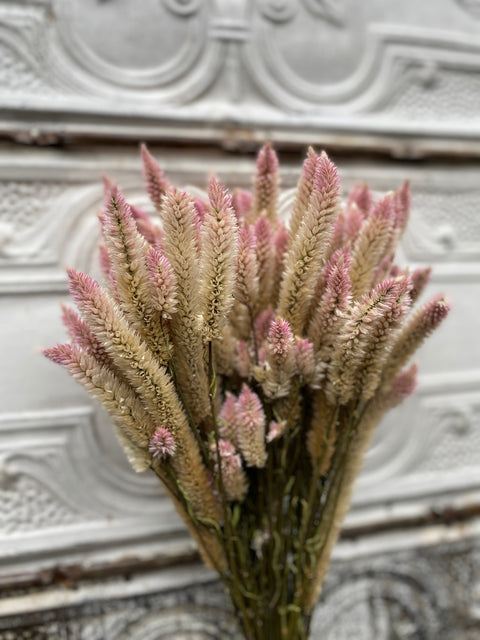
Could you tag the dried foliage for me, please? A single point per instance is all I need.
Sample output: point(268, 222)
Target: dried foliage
point(247, 364)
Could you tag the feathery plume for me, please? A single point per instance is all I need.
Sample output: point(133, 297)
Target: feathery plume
point(246, 288)
point(417, 328)
point(304, 192)
point(242, 203)
point(265, 253)
point(163, 283)
point(370, 247)
point(306, 256)
point(219, 244)
point(361, 198)
point(156, 183)
point(420, 279)
point(162, 445)
point(280, 359)
point(180, 249)
point(234, 478)
point(359, 334)
point(265, 188)
point(330, 312)
point(251, 428)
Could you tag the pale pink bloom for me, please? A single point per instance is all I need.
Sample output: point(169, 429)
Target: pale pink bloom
point(162, 444)
point(60, 354)
point(242, 203)
point(304, 358)
point(304, 193)
point(361, 197)
point(402, 200)
point(420, 279)
point(354, 220)
point(275, 430)
point(263, 322)
point(152, 232)
point(227, 418)
point(251, 428)
point(266, 182)
point(163, 283)
point(234, 479)
point(82, 335)
point(403, 385)
point(280, 340)
point(246, 288)
point(242, 359)
point(218, 260)
point(156, 183)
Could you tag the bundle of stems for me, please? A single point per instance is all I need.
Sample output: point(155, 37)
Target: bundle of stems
point(247, 363)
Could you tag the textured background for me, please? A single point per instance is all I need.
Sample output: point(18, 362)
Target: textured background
point(87, 548)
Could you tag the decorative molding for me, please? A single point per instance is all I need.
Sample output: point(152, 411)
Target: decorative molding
point(417, 593)
point(351, 70)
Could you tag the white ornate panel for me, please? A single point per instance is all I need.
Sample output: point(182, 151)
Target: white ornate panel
point(237, 70)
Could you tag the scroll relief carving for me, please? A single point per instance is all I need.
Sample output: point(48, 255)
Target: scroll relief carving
point(349, 62)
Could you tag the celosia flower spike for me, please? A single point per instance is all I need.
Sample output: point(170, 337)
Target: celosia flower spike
point(251, 428)
point(330, 312)
point(156, 183)
point(180, 249)
point(359, 333)
point(402, 203)
point(234, 479)
point(242, 203)
point(305, 258)
point(128, 251)
point(82, 335)
point(420, 279)
point(265, 188)
point(280, 357)
point(219, 257)
point(246, 287)
point(163, 283)
point(303, 194)
point(162, 445)
point(371, 245)
point(418, 327)
point(227, 418)
point(361, 196)
point(265, 253)
point(276, 430)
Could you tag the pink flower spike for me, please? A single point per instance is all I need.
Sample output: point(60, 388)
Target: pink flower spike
point(242, 203)
point(266, 182)
point(263, 322)
point(227, 417)
point(162, 444)
point(61, 354)
point(304, 358)
point(251, 428)
point(402, 200)
point(163, 283)
point(275, 430)
point(404, 385)
point(233, 476)
point(242, 359)
point(280, 340)
point(420, 279)
point(361, 196)
point(157, 185)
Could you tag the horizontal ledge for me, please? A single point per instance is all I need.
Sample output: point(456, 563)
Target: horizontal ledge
point(399, 140)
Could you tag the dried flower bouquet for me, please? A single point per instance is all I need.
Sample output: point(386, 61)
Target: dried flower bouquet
point(247, 364)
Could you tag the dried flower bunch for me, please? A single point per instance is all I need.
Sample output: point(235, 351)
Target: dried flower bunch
point(247, 364)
